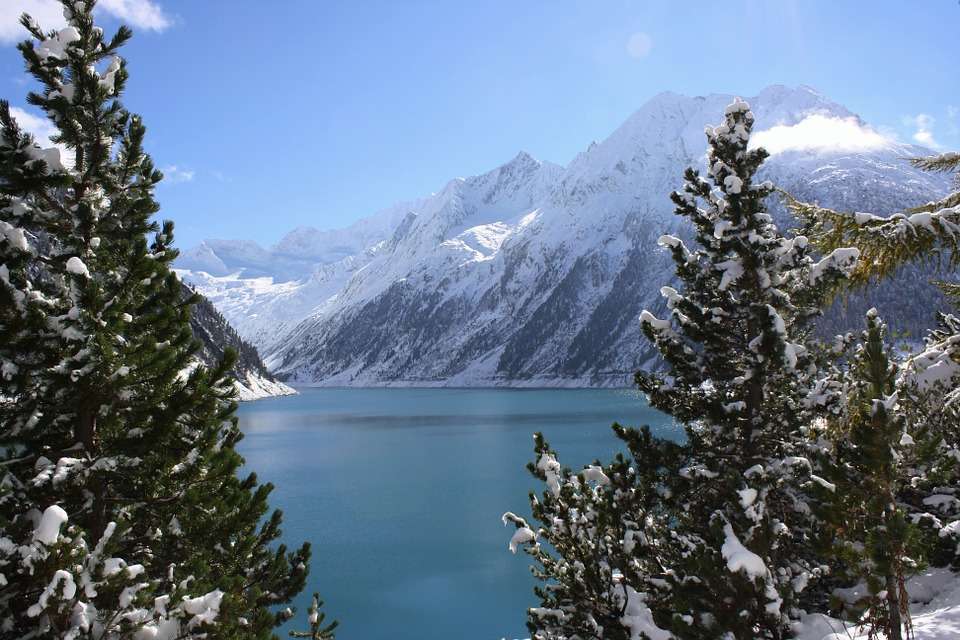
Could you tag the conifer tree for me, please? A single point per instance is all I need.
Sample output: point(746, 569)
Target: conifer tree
point(121, 514)
point(928, 384)
point(723, 520)
point(867, 464)
point(607, 528)
point(739, 368)
point(928, 233)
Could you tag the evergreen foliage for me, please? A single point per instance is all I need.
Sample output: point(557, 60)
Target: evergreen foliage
point(868, 463)
point(928, 385)
point(739, 370)
point(121, 513)
point(608, 530)
point(929, 232)
point(316, 618)
point(724, 529)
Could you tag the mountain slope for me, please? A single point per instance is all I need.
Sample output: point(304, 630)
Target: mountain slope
point(535, 274)
point(253, 380)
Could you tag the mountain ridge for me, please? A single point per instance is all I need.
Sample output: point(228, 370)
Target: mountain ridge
point(528, 273)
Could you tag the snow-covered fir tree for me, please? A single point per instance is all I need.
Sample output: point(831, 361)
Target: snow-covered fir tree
point(608, 531)
point(121, 514)
point(739, 369)
point(709, 540)
point(867, 461)
point(928, 382)
point(923, 468)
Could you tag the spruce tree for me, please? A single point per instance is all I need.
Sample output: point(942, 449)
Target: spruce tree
point(928, 383)
point(867, 464)
point(739, 367)
point(722, 522)
point(607, 530)
point(121, 512)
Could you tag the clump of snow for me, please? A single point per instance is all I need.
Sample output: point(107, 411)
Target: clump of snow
point(550, 467)
point(930, 369)
point(669, 241)
point(76, 266)
point(732, 185)
point(523, 535)
point(638, 618)
point(49, 156)
point(13, 235)
point(739, 558)
point(648, 318)
point(843, 259)
point(56, 46)
point(594, 473)
point(109, 77)
point(48, 529)
point(732, 270)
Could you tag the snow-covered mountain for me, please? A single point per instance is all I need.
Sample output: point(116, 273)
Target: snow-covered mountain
point(535, 273)
point(252, 380)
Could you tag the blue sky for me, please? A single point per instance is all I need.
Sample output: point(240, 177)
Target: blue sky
point(279, 114)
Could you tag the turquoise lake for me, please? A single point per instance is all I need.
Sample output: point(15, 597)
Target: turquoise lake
point(400, 491)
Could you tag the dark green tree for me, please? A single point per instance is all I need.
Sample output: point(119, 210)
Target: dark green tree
point(928, 382)
point(724, 518)
point(740, 364)
point(607, 530)
point(121, 512)
point(866, 466)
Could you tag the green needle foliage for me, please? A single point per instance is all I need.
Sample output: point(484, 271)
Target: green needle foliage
point(929, 382)
point(710, 538)
point(868, 468)
point(927, 233)
point(318, 630)
point(121, 512)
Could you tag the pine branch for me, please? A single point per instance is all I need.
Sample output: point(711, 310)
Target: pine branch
point(928, 234)
point(942, 162)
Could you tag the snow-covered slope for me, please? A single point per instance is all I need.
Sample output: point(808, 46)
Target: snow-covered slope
point(934, 609)
point(251, 378)
point(534, 273)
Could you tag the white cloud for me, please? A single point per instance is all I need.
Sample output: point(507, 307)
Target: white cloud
point(819, 132)
point(145, 14)
point(639, 45)
point(922, 124)
point(173, 174)
point(41, 129)
point(953, 127)
point(48, 13)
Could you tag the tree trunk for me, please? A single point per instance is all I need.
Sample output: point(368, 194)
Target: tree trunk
point(895, 626)
point(87, 435)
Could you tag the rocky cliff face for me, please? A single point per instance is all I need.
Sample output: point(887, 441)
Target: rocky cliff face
point(215, 335)
point(535, 274)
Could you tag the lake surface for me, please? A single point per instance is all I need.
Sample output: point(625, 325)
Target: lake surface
point(400, 491)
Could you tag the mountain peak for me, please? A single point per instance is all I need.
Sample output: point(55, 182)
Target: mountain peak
point(523, 159)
